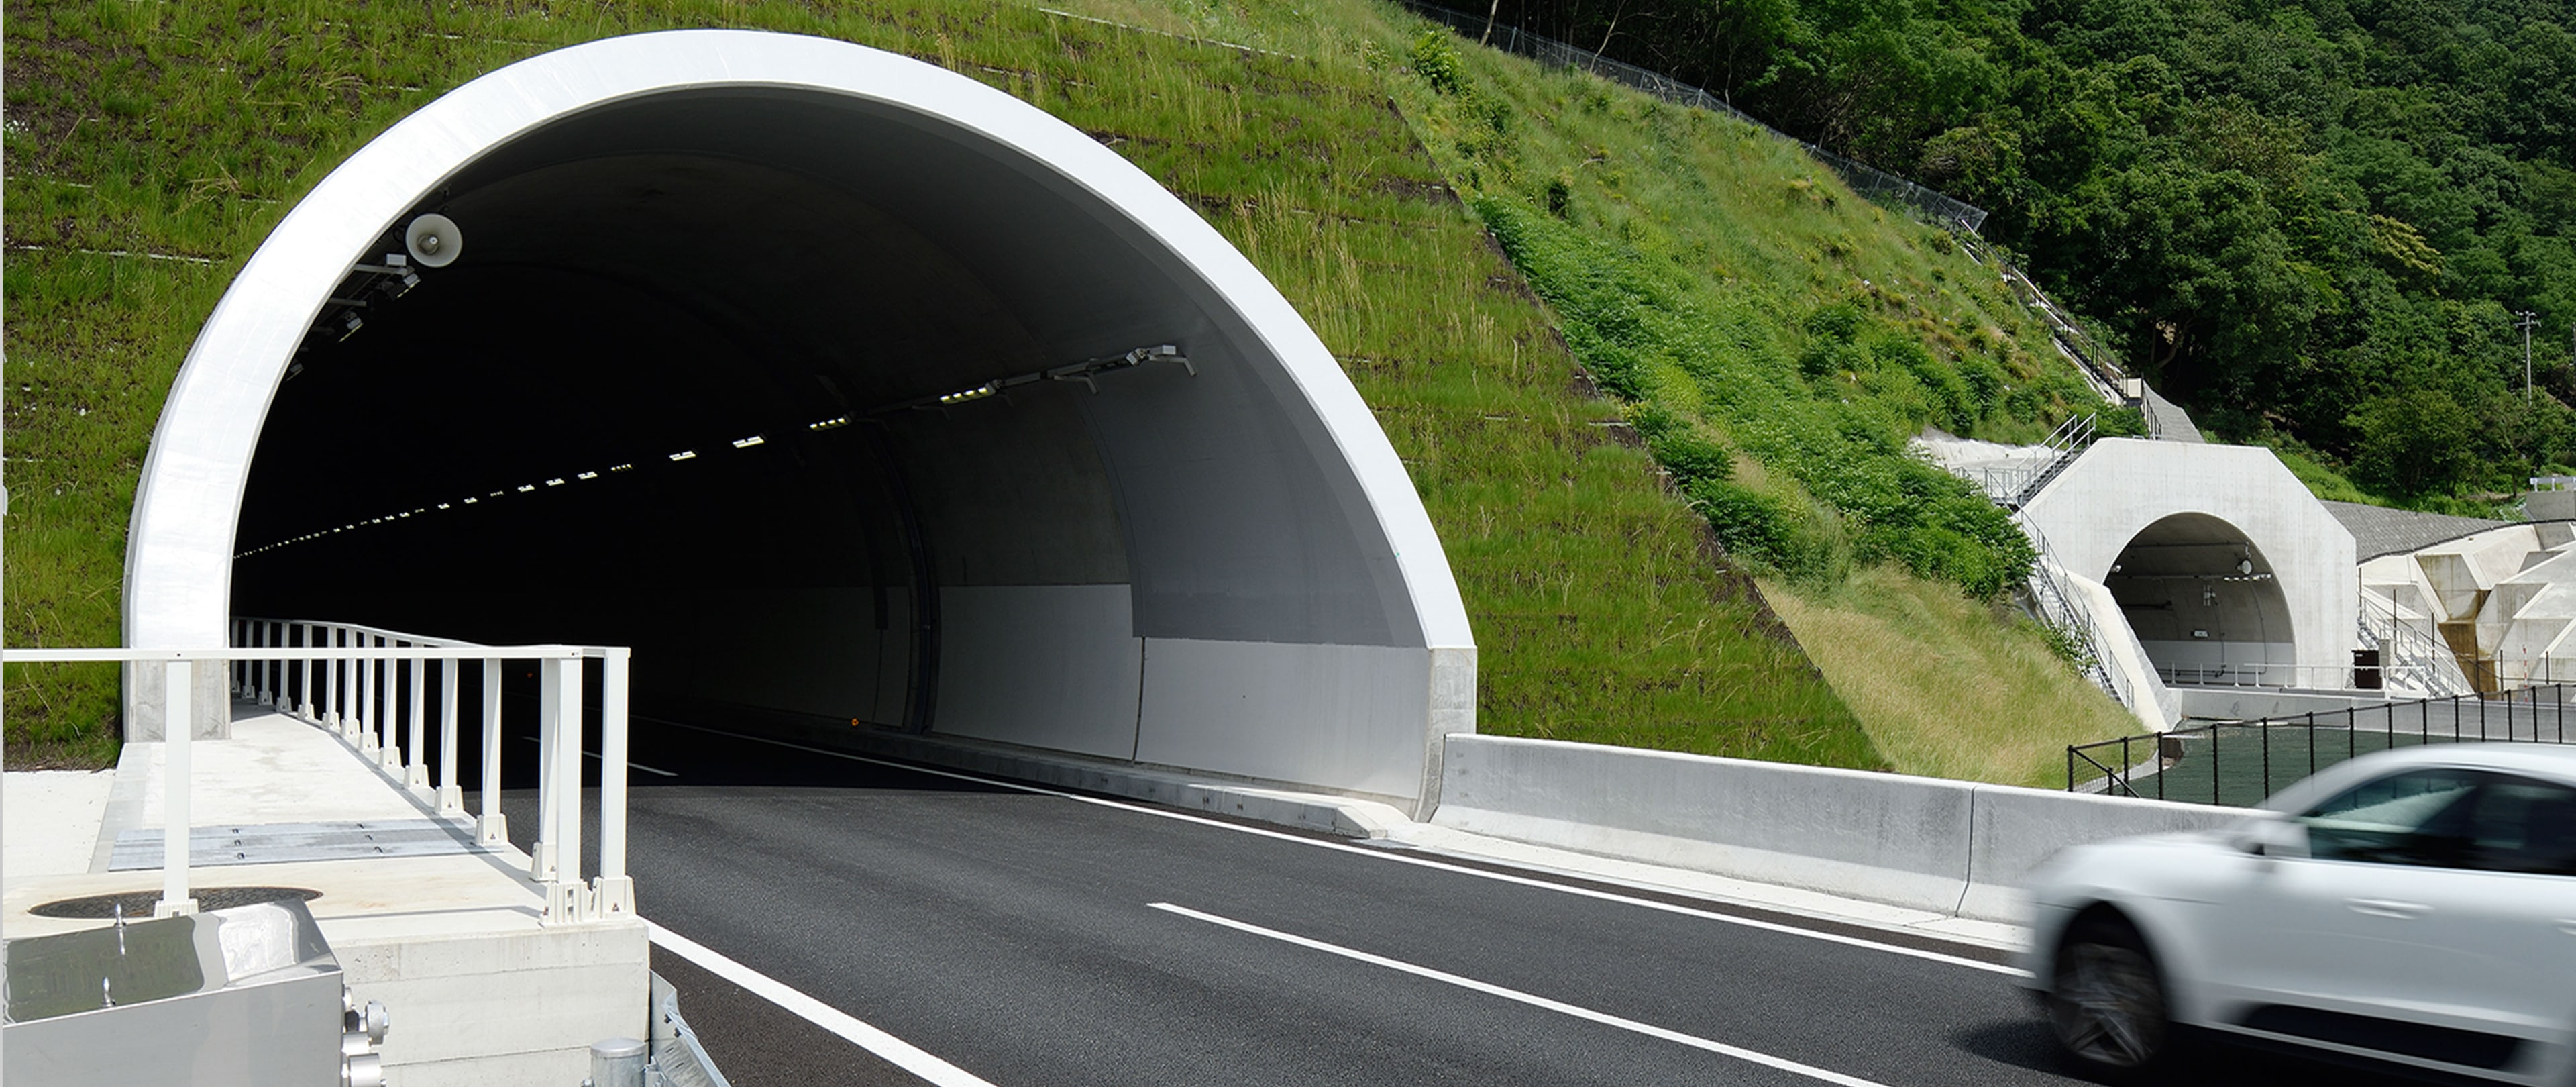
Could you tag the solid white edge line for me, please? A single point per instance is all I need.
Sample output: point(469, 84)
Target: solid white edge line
point(1388, 855)
point(1533, 1000)
point(895, 1051)
point(630, 766)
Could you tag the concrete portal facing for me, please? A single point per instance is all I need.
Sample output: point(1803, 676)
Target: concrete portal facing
point(755, 357)
point(2228, 570)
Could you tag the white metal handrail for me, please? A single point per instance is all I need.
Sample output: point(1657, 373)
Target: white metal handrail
point(2402, 642)
point(342, 677)
point(2060, 607)
point(2278, 674)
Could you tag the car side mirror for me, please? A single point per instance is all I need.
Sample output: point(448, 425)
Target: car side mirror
point(2274, 836)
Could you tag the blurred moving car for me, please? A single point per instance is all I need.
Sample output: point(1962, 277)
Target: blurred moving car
point(2414, 907)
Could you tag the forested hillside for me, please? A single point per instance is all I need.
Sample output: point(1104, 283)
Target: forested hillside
point(2314, 222)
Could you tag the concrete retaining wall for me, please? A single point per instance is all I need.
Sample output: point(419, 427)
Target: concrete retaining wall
point(1949, 846)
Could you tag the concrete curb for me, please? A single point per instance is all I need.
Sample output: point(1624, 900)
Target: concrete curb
point(1347, 816)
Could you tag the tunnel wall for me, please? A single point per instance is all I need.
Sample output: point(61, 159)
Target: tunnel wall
point(1227, 573)
point(2120, 487)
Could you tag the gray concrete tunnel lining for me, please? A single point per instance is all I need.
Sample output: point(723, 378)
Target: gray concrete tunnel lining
point(2204, 601)
point(675, 242)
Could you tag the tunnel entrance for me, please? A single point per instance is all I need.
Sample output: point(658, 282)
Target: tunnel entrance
point(840, 387)
point(2205, 604)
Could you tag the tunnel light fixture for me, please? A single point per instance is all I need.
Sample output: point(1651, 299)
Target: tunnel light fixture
point(746, 443)
point(587, 475)
point(685, 454)
point(471, 501)
point(1084, 372)
point(963, 395)
point(829, 424)
point(555, 482)
point(621, 467)
point(444, 505)
point(526, 487)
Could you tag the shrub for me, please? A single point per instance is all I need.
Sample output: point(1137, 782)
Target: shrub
point(1436, 60)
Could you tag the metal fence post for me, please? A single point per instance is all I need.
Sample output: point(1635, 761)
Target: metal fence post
point(361, 711)
point(492, 828)
point(560, 694)
point(451, 796)
point(613, 895)
point(416, 759)
point(386, 684)
point(177, 725)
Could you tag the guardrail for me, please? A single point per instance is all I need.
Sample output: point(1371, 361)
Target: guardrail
point(2245, 761)
point(2282, 675)
point(370, 686)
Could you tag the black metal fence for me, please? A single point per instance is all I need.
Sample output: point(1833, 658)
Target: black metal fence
point(1869, 181)
point(2240, 763)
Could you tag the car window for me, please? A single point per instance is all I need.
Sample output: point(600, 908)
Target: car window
point(2522, 825)
point(2415, 817)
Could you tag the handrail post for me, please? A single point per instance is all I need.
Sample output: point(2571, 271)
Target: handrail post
point(177, 726)
point(451, 796)
point(492, 828)
point(613, 895)
point(361, 708)
point(258, 692)
point(567, 899)
point(415, 758)
point(384, 682)
point(541, 860)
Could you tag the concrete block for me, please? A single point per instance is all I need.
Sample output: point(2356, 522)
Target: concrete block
point(1951, 847)
point(2012, 830)
point(1883, 837)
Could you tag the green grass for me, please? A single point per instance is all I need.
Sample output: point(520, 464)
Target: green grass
point(1947, 686)
point(188, 129)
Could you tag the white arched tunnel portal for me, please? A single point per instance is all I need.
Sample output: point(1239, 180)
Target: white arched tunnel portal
point(758, 249)
point(2167, 513)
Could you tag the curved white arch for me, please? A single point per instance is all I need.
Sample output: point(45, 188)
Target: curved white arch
point(187, 507)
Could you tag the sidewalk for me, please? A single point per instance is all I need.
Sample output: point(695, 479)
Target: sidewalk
point(480, 991)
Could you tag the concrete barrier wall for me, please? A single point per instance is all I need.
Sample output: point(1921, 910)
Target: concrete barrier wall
point(1948, 846)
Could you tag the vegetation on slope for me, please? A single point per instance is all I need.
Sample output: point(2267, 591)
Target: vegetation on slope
point(2311, 221)
point(1778, 341)
point(187, 130)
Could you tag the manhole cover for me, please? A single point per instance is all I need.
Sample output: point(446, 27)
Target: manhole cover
point(138, 904)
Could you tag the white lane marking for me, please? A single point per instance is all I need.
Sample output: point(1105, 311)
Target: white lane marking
point(603, 758)
point(1399, 858)
point(1533, 1000)
point(896, 1051)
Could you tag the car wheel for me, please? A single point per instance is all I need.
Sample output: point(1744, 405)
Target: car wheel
point(2108, 1003)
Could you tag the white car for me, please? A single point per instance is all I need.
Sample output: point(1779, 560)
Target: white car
point(2415, 907)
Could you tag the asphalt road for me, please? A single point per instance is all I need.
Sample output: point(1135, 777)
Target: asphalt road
point(1043, 939)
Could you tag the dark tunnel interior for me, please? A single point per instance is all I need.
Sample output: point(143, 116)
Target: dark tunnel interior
point(646, 405)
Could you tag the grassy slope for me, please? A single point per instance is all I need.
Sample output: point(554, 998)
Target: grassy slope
point(1697, 253)
point(188, 129)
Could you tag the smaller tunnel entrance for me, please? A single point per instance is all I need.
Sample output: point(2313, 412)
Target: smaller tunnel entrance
point(2205, 604)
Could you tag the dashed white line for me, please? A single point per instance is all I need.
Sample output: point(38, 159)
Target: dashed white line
point(1560, 1007)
